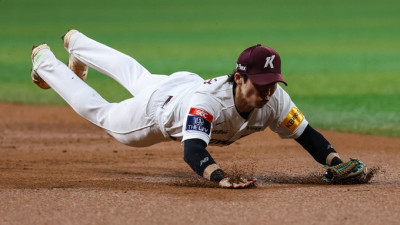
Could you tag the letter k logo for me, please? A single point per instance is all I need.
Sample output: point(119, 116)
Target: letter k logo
point(269, 61)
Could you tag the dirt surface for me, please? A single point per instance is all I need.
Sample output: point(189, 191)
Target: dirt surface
point(56, 168)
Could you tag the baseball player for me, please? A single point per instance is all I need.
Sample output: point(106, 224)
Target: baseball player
point(185, 108)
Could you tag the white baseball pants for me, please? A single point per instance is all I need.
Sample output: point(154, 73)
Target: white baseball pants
point(131, 121)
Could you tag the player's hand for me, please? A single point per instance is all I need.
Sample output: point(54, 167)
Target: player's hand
point(242, 183)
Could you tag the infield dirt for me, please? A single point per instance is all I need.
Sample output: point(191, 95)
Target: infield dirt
point(57, 168)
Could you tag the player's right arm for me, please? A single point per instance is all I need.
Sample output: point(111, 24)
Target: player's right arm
point(198, 158)
point(196, 131)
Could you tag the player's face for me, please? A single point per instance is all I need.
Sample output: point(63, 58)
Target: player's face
point(256, 96)
point(263, 94)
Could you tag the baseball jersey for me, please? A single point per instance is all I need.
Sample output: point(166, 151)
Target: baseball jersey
point(190, 107)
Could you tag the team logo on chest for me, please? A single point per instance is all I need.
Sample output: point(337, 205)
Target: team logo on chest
point(199, 120)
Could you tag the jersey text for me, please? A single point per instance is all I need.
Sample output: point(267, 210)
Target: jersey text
point(293, 119)
point(197, 123)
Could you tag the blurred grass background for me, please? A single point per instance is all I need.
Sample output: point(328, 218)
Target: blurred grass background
point(340, 58)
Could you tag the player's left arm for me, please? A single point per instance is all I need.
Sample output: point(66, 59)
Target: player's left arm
point(291, 123)
point(318, 147)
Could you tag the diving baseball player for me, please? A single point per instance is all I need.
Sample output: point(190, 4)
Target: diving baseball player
point(183, 107)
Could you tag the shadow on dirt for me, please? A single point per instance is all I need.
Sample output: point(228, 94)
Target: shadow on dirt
point(316, 178)
point(278, 178)
point(284, 178)
point(131, 180)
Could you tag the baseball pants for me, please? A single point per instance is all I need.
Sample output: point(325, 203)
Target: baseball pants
point(131, 121)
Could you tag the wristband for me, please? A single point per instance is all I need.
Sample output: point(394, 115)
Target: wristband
point(217, 176)
point(209, 170)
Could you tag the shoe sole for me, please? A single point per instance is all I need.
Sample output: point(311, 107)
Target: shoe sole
point(79, 68)
point(36, 79)
point(36, 49)
point(66, 37)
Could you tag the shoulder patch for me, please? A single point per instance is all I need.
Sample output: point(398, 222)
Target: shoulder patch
point(199, 120)
point(202, 113)
point(293, 119)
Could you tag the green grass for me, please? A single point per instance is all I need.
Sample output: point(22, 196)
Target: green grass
point(356, 113)
point(341, 58)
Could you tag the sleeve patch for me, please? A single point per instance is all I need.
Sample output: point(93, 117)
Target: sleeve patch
point(201, 113)
point(293, 119)
point(197, 123)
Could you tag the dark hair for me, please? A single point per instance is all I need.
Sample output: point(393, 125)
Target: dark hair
point(231, 77)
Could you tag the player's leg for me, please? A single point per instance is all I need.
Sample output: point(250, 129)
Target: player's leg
point(128, 121)
point(119, 66)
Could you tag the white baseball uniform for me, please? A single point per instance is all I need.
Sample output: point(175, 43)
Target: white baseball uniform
point(176, 107)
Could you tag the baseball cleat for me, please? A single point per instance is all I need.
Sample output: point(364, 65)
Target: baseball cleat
point(352, 169)
point(79, 68)
point(36, 54)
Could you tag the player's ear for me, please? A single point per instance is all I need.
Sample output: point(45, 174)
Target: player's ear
point(238, 78)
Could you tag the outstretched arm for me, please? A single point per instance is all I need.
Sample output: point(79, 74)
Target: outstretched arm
point(336, 171)
point(198, 158)
point(318, 147)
